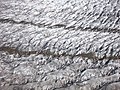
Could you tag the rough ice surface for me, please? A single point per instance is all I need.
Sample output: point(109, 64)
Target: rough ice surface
point(59, 44)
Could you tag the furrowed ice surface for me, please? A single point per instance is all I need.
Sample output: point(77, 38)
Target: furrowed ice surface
point(60, 41)
point(91, 14)
point(60, 45)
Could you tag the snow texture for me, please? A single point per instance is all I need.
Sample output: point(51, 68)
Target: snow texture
point(59, 44)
